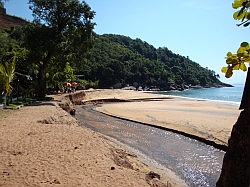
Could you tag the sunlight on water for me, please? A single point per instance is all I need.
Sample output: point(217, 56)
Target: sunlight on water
point(195, 162)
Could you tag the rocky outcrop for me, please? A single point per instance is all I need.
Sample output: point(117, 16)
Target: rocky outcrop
point(7, 21)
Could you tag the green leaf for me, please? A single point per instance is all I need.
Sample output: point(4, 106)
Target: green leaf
point(246, 59)
point(229, 73)
point(237, 3)
point(244, 44)
point(248, 4)
point(243, 67)
point(229, 54)
point(241, 51)
point(224, 69)
point(239, 15)
point(248, 15)
point(236, 67)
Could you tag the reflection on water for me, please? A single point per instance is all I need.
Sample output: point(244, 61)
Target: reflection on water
point(195, 162)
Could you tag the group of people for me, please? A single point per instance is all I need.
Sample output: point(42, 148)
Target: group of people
point(70, 87)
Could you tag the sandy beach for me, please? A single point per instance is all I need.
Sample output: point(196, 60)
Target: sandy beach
point(43, 145)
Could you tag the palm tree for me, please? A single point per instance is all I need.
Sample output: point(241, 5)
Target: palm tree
point(7, 70)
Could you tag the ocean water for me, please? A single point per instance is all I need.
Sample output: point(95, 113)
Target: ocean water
point(230, 95)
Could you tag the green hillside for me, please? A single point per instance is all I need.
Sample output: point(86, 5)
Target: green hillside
point(119, 60)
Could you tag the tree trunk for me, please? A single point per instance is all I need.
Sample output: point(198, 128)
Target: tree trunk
point(41, 86)
point(236, 164)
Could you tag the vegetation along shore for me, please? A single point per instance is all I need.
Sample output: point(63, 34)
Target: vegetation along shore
point(55, 61)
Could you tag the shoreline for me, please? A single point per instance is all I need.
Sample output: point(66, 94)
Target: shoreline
point(42, 145)
point(220, 146)
point(208, 122)
point(231, 103)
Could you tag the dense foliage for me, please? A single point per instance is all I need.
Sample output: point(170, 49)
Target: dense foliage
point(60, 31)
point(119, 59)
point(12, 57)
point(42, 53)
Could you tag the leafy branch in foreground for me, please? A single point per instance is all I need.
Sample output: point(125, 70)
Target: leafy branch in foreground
point(237, 61)
point(243, 14)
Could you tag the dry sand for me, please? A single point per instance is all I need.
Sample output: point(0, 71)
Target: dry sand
point(42, 145)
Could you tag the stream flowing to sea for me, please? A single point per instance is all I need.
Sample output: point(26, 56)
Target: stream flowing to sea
point(196, 163)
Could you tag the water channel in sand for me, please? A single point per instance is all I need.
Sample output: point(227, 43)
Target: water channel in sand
point(195, 162)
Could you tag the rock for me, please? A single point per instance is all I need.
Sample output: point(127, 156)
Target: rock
point(153, 179)
point(72, 112)
point(152, 175)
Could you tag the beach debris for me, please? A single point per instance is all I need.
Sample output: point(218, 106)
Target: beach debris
point(72, 112)
point(49, 120)
point(120, 158)
point(15, 153)
point(153, 179)
point(55, 181)
point(6, 173)
point(152, 175)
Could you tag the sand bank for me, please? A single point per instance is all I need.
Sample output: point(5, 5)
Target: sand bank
point(209, 120)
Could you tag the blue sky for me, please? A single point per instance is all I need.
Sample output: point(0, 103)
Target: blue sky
point(203, 30)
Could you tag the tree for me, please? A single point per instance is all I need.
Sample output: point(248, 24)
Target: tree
point(10, 54)
point(236, 162)
point(59, 77)
point(7, 69)
point(61, 27)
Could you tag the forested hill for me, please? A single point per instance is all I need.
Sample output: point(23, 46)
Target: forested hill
point(119, 60)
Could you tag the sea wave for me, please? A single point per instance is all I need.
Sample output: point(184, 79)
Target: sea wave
point(225, 95)
point(234, 103)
